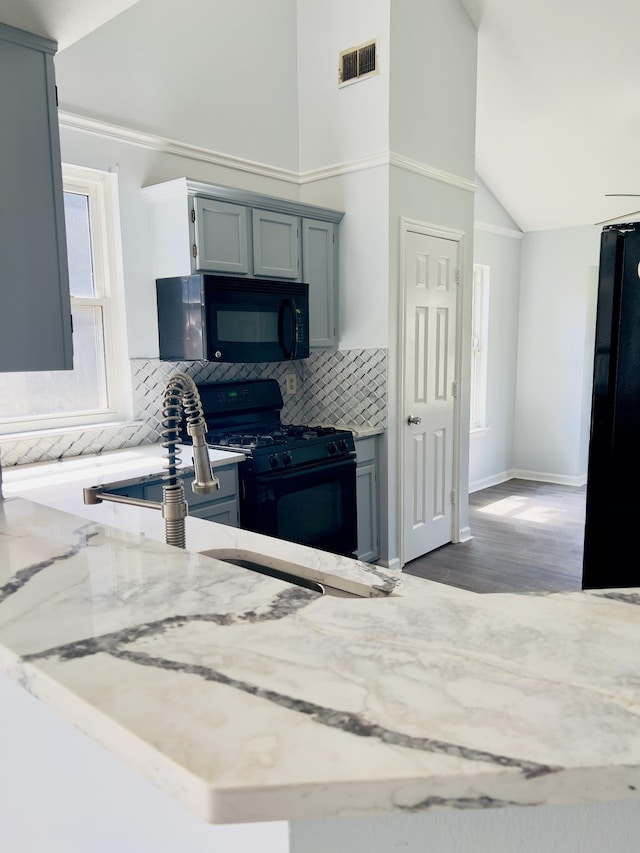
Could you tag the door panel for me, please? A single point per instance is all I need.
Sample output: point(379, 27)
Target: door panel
point(431, 265)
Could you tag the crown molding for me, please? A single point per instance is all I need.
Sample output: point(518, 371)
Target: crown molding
point(97, 127)
point(172, 146)
point(426, 171)
point(498, 229)
point(371, 161)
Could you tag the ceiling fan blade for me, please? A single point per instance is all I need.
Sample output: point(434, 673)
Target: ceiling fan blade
point(623, 216)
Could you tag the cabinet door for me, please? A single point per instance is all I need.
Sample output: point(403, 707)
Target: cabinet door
point(35, 311)
point(319, 269)
point(221, 237)
point(276, 239)
point(222, 512)
point(367, 498)
point(367, 502)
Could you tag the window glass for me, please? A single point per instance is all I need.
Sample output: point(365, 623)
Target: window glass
point(86, 394)
point(80, 258)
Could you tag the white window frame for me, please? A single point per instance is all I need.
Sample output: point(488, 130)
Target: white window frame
point(479, 347)
point(101, 188)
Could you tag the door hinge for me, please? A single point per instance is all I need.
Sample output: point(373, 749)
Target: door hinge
point(193, 214)
point(454, 498)
point(458, 277)
point(194, 250)
point(454, 388)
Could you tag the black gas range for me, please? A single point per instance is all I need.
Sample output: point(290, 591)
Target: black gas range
point(297, 481)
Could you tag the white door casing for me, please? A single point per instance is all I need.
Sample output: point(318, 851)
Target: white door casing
point(430, 275)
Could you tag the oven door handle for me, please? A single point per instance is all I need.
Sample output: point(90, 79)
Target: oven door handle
point(323, 469)
point(288, 306)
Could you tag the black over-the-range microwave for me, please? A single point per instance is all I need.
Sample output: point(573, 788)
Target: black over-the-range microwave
point(222, 319)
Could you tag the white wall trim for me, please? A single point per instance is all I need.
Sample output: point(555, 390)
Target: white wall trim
point(519, 474)
point(426, 171)
point(493, 480)
point(498, 229)
point(84, 124)
point(542, 477)
point(172, 146)
point(371, 161)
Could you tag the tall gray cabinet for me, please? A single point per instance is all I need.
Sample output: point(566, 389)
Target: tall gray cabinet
point(35, 313)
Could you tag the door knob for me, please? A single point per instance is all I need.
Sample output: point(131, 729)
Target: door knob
point(412, 419)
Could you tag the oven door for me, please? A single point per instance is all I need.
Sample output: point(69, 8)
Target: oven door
point(314, 505)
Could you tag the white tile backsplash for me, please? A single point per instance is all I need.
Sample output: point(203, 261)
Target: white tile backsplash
point(348, 386)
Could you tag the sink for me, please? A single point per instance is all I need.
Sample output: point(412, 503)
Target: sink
point(365, 581)
point(316, 586)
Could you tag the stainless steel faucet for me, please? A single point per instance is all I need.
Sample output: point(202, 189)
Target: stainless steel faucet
point(181, 396)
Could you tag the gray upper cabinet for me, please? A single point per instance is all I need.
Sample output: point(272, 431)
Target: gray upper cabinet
point(35, 311)
point(320, 253)
point(198, 227)
point(276, 245)
point(221, 237)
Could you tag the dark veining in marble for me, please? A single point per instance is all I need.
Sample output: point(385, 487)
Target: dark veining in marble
point(345, 721)
point(388, 584)
point(481, 802)
point(283, 604)
point(625, 597)
point(23, 577)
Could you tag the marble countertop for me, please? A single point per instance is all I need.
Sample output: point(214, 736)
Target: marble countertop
point(246, 698)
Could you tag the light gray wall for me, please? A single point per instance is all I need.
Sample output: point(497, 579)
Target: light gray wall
point(340, 125)
point(497, 244)
point(432, 103)
point(543, 290)
point(215, 74)
point(432, 122)
point(576, 828)
point(555, 353)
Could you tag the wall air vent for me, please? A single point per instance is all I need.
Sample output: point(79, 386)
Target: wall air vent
point(358, 62)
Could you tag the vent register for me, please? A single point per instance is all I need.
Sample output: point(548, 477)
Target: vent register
point(358, 62)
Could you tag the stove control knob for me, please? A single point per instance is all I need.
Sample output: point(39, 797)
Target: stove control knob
point(331, 448)
point(274, 461)
point(286, 458)
point(342, 445)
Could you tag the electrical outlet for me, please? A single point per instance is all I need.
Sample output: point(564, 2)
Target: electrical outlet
point(292, 384)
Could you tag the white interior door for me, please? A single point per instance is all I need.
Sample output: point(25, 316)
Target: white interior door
point(430, 283)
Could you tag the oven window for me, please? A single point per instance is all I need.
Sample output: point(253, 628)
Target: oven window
point(307, 514)
point(247, 326)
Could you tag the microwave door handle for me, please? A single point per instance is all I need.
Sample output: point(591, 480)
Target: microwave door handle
point(288, 305)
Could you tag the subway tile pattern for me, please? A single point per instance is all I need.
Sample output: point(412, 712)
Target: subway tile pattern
point(348, 386)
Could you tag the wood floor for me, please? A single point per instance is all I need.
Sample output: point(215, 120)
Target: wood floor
point(527, 537)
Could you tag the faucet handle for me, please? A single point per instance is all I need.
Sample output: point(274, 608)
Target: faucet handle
point(204, 481)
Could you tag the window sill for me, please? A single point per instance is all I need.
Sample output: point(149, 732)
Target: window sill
point(67, 430)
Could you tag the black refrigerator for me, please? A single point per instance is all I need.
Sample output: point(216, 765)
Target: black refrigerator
point(612, 523)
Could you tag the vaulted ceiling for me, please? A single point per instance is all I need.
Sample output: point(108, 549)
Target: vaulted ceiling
point(558, 116)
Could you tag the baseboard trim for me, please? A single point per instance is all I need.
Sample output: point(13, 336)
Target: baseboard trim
point(542, 477)
point(465, 534)
point(493, 480)
point(521, 474)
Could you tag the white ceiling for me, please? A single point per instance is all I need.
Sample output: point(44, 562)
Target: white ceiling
point(64, 21)
point(558, 122)
point(558, 117)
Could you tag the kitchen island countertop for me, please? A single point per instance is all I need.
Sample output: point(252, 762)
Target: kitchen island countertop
point(246, 698)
